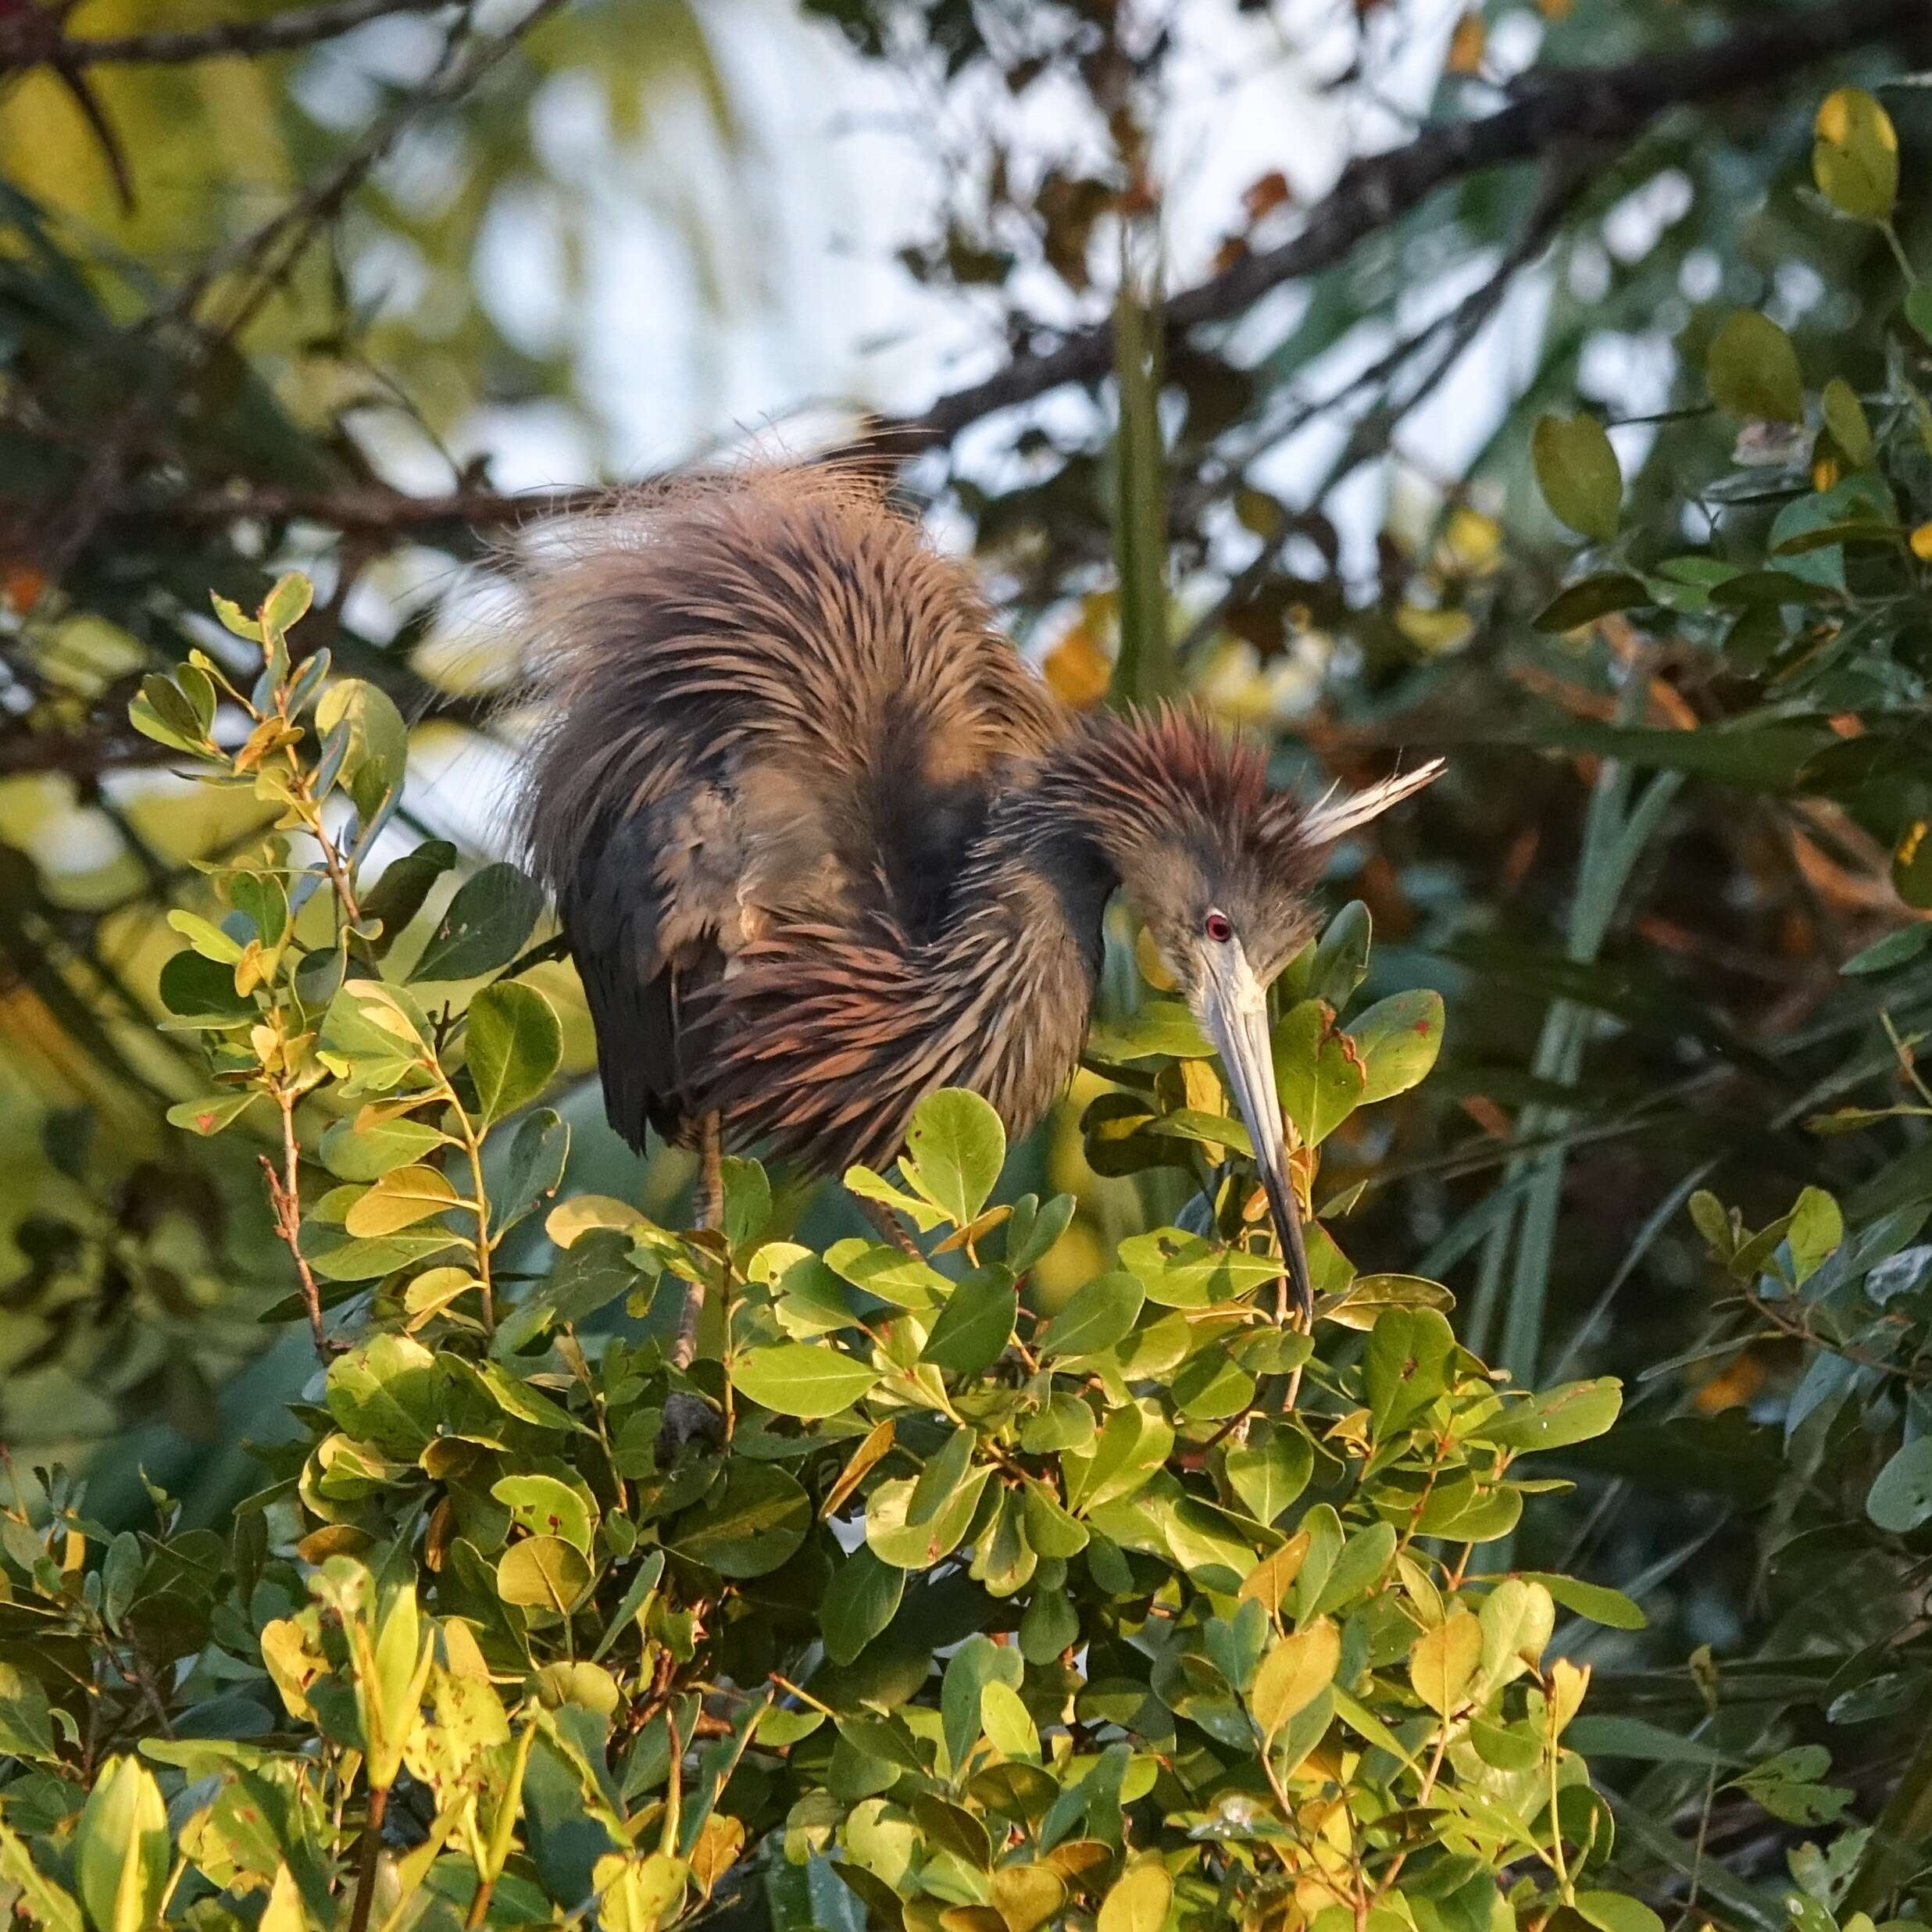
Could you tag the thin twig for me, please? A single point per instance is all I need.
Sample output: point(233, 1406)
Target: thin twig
point(371, 1858)
point(1561, 106)
point(28, 42)
point(290, 230)
point(284, 1197)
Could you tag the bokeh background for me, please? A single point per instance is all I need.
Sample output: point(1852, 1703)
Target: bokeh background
point(370, 289)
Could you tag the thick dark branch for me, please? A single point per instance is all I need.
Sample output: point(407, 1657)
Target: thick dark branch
point(1565, 104)
point(1597, 104)
point(33, 37)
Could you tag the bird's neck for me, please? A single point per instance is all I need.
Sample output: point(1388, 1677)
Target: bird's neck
point(1020, 957)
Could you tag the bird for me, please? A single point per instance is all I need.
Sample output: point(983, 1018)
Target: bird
point(821, 842)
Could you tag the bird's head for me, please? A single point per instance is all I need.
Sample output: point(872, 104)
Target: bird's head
point(1217, 867)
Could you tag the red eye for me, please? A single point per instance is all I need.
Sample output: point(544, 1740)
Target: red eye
point(1217, 928)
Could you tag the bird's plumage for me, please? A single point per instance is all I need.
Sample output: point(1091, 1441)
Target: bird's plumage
point(820, 842)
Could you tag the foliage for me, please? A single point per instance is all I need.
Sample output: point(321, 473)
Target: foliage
point(1688, 785)
point(952, 1614)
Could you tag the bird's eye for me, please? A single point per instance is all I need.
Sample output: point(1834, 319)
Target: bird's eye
point(1218, 927)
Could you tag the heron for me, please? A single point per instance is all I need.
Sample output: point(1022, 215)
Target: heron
point(821, 842)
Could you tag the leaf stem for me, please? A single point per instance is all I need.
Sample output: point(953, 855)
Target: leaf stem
point(370, 1857)
point(284, 1196)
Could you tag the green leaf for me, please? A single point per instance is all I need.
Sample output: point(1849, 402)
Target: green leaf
point(1361, 1304)
point(1294, 1673)
point(26, 1723)
point(1321, 1078)
point(1271, 1469)
point(1406, 1366)
point(1442, 1662)
point(1901, 1498)
point(546, 1506)
point(202, 993)
point(1397, 1040)
point(977, 1663)
point(1035, 1226)
point(1578, 473)
point(904, 1280)
point(387, 1391)
point(1918, 309)
point(871, 1187)
point(40, 1903)
point(1138, 1899)
point(1590, 598)
point(1845, 416)
point(398, 896)
point(976, 1324)
point(1516, 1619)
point(1753, 369)
point(1133, 1443)
point(915, 1531)
point(1854, 161)
point(1614, 1912)
point(1816, 1229)
point(533, 1168)
point(121, 1847)
point(806, 1379)
point(1100, 1314)
point(513, 1395)
point(863, 1600)
point(353, 1152)
point(1340, 960)
point(1177, 1270)
point(234, 619)
point(754, 1524)
point(488, 924)
point(404, 1196)
point(1163, 1029)
point(1363, 1562)
point(1895, 949)
point(747, 1200)
point(378, 741)
point(209, 939)
point(957, 1148)
point(543, 1572)
point(1559, 1416)
point(514, 1043)
point(287, 604)
point(1008, 1727)
point(162, 712)
point(364, 1260)
point(210, 1114)
point(376, 1036)
point(1597, 1601)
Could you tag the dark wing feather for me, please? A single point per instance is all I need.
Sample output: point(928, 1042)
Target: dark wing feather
point(768, 703)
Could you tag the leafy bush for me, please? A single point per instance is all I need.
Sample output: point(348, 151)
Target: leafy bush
point(956, 1616)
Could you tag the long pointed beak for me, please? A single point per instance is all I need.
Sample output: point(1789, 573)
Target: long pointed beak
point(1234, 1011)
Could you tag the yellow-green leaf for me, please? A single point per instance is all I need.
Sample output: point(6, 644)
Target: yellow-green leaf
point(1855, 155)
point(1443, 1660)
point(1753, 369)
point(1294, 1674)
point(1138, 1899)
point(400, 1199)
point(1578, 473)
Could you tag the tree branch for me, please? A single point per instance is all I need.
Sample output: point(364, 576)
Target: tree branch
point(1564, 104)
point(33, 37)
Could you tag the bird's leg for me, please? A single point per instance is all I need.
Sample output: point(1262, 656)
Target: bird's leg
point(707, 1210)
point(686, 1415)
point(888, 1224)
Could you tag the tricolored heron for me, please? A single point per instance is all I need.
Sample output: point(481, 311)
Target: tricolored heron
point(821, 843)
